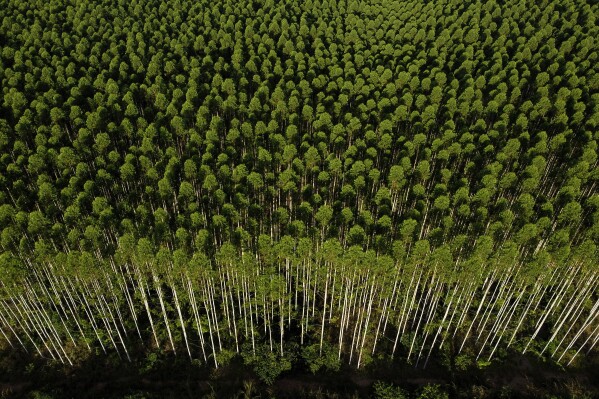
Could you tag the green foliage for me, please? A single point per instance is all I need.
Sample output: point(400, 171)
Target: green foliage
point(40, 395)
point(217, 125)
point(224, 357)
point(318, 359)
point(433, 392)
point(266, 364)
point(151, 362)
point(464, 362)
point(383, 390)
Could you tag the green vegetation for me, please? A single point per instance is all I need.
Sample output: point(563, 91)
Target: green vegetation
point(300, 184)
point(387, 391)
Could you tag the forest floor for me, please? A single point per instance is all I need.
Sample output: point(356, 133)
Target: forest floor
point(515, 376)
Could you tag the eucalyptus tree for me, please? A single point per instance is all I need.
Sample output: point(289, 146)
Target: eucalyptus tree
point(269, 181)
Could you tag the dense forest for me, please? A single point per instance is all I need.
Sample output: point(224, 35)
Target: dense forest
point(325, 182)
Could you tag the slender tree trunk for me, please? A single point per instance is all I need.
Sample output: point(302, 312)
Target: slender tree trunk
point(196, 315)
point(163, 308)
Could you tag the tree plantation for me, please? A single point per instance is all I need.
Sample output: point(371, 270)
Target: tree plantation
point(322, 182)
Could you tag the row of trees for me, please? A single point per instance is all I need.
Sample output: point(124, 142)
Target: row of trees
point(339, 305)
